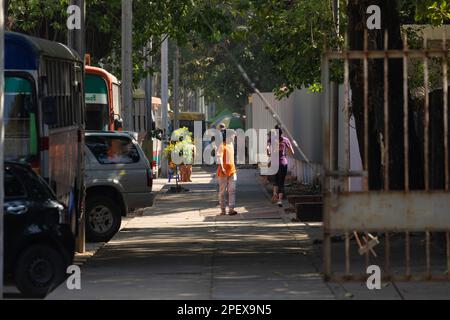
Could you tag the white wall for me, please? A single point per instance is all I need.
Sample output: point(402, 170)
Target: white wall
point(302, 115)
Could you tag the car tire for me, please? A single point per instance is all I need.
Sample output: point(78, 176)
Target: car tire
point(39, 270)
point(103, 219)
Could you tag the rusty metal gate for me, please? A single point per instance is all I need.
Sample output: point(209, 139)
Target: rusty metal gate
point(405, 232)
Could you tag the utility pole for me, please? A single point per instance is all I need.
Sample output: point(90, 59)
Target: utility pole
point(127, 62)
point(76, 41)
point(147, 144)
point(2, 30)
point(176, 80)
point(164, 98)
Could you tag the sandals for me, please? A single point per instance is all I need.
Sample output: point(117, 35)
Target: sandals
point(232, 213)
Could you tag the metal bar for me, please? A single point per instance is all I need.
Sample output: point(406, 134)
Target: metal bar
point(363, 278)
point(385, 155)
point(428, 253)
point(447, 236)
point(445, 111)
point(387, 255)
point(337, 174)
point(393, 211)
point(405, 113)
point(76, 40)
point(426, 147)
point(380, 54)
point(366, 111)
point(408, 255)
point(347, 254)
point(346, 118)
point(327, 166)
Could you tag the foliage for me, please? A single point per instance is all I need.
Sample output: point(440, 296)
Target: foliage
point(436, 12)
point(279, 43)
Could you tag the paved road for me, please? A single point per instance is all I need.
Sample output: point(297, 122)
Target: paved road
point(181, 249)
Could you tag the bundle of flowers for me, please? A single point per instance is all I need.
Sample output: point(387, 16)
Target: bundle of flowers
point(181, 144)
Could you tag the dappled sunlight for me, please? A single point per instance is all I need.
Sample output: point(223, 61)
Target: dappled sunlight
point(181, 247)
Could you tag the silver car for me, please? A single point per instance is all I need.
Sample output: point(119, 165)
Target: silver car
point(118, 180)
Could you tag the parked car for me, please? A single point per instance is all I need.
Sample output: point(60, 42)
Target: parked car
point(39, 244)
point(118, 180)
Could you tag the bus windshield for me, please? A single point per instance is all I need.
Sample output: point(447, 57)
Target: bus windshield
point(21, 136)
point(97, 110)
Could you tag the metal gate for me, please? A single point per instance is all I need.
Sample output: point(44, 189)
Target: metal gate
point(405, 232)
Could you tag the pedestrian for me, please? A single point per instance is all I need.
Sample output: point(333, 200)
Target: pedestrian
point(285, 146)
point(226, 174)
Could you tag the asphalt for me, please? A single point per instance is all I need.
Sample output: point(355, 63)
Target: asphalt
point(181, 249)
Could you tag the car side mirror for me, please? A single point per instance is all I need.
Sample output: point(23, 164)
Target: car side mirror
point(50, 116)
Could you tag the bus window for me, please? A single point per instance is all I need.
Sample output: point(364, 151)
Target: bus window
point(97, 113)
point(21, 134)
point(117, 99)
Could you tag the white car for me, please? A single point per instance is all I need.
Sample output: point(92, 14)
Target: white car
point(118, 180)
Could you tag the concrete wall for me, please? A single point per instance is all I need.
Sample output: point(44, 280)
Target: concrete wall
point(302, 115)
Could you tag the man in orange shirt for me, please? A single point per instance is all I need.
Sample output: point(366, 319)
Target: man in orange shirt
point(226, 174)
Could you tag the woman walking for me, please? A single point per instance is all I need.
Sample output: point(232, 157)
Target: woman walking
point(285, 146)
point(226, 175)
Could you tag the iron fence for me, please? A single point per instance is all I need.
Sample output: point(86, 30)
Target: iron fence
point(400, 229)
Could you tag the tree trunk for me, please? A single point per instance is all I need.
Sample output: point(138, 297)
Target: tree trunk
point(390, 19)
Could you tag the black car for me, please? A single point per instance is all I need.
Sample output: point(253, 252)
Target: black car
point(39, 244)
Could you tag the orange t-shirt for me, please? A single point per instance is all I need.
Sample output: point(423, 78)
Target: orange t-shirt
point(226, 153)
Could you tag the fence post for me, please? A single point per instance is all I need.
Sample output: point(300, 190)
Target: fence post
point(326, 185)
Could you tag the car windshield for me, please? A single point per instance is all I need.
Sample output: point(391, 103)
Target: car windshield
point(113, 150)
point(21, 139)
point(97, 109)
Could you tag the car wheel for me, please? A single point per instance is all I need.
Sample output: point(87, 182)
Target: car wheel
point(103, 219)
point(39, 269)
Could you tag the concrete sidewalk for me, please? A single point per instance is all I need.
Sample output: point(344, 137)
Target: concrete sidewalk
point(181, 249)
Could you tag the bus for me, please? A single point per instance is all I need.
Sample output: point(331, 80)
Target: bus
point(103, 100)
point(44, 115)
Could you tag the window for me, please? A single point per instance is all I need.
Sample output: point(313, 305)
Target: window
point(63, 87)
point(96, 97)
point(117, 99)
point(113, 150)
point(21, 136)
point(13, 187)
